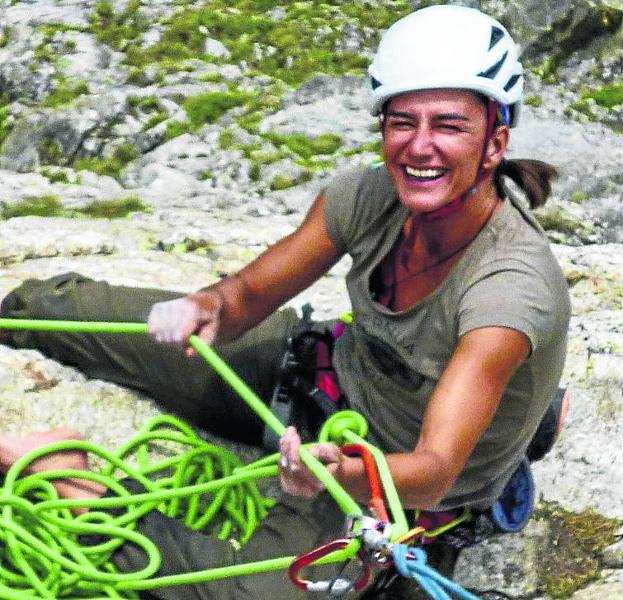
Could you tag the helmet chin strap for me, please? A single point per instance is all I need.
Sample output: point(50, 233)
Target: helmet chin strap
point(457, 204)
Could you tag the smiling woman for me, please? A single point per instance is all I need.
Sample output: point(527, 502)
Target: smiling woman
point(461, 314)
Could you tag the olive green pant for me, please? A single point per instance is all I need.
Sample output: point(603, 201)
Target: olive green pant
point(191, 389)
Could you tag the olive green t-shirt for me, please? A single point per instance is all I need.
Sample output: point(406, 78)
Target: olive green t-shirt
point(389, 362)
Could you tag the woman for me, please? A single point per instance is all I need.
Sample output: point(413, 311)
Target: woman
point(460, 308)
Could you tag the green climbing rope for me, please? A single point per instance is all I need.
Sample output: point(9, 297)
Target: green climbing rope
point(204, 486)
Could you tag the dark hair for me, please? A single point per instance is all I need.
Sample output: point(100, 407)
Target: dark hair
point(534, 177)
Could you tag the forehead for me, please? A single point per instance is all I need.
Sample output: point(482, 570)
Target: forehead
point(444, 100)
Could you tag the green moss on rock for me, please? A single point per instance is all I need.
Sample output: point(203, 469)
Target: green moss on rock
point(50, 205)
point(305, 146)
point(47, 205)
point(114, 209)
point(117, 29)
point(576, 540)
point(50, 152)
point(111, 166)
point(607, 96)
point(65, 93)
point(209, 107)
point(283, 181)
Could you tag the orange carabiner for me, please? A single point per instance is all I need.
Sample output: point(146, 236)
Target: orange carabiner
point(304, 560)
point(376, 503)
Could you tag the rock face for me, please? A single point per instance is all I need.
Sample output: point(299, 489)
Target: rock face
point(225, 144)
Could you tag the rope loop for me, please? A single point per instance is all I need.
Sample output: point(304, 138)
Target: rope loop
point(345, 420)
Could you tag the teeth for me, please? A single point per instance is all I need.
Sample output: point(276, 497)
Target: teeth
point(424, 173)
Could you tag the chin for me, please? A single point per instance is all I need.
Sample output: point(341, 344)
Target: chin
point(422, 204)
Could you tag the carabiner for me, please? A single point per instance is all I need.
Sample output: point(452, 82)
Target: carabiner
point(339, 585)
point(376, 503)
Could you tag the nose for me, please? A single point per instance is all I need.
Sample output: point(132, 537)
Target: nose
point(421, 142)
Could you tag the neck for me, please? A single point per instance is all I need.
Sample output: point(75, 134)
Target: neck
point(438, 237)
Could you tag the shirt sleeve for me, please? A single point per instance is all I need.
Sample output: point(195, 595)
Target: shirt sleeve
point(340, 206)
point(512, 295)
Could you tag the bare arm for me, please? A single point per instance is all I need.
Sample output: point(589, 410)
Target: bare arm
point(460, 409)
point(278, 274)
point(227, 309)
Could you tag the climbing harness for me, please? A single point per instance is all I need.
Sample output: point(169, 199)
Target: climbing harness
point(41, 551)
point(307, 392)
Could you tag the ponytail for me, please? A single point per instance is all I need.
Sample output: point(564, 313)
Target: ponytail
point(534, 177)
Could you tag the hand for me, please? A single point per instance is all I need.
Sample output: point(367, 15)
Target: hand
point(295, 477)
point(175, 321)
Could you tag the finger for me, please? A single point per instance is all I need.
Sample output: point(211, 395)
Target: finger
point(294, 445)
point(208, 331)
point(326, 453)
point(284, 448)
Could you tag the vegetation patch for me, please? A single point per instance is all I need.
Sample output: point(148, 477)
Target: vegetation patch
point(546, 71)
point(50, 205)
point(199, 246)
point(65, 93)
point(176, 128)
point(556, 218)
point(283, 181)
point(141, 106)
point(607, 96)
point(54, 175)
point(4, 36)
point(576, 540)
point(535, 101)
point(145, 104)
point(50, 151)
point(111, 166)
point(113, 209)
point(209, 107)
point(304, 146)
point(306, 39)
point(578, 197)
point(155, 120)
point(5, 123)
point(118, 30)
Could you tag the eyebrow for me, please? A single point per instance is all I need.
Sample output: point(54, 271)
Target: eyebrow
point(440, 117)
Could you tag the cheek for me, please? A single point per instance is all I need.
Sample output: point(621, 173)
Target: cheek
point(463, 152)
point(393, 145)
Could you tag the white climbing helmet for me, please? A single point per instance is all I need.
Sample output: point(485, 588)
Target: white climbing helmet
point(448, 46)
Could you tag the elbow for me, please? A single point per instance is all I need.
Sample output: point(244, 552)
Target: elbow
point(436, 487)
point(431, 499)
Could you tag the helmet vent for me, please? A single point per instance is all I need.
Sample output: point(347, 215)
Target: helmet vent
point(511, 82)
point(491, 72)
point(496, 35)
point(375, 83)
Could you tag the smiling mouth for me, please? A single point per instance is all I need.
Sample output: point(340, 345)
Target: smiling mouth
point(424, 174)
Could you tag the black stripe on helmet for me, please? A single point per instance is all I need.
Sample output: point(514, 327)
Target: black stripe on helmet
point(375, 83)
point(496, 35)
point(491, 72)
point(511, 82)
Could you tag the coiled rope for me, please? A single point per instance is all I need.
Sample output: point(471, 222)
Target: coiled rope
point(44, 553)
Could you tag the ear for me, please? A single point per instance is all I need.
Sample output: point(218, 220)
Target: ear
point(496, 148)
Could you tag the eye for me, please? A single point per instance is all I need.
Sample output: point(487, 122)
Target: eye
point(449, 127)
point(399, 124)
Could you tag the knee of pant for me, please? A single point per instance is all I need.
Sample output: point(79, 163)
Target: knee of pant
point(42, 298)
